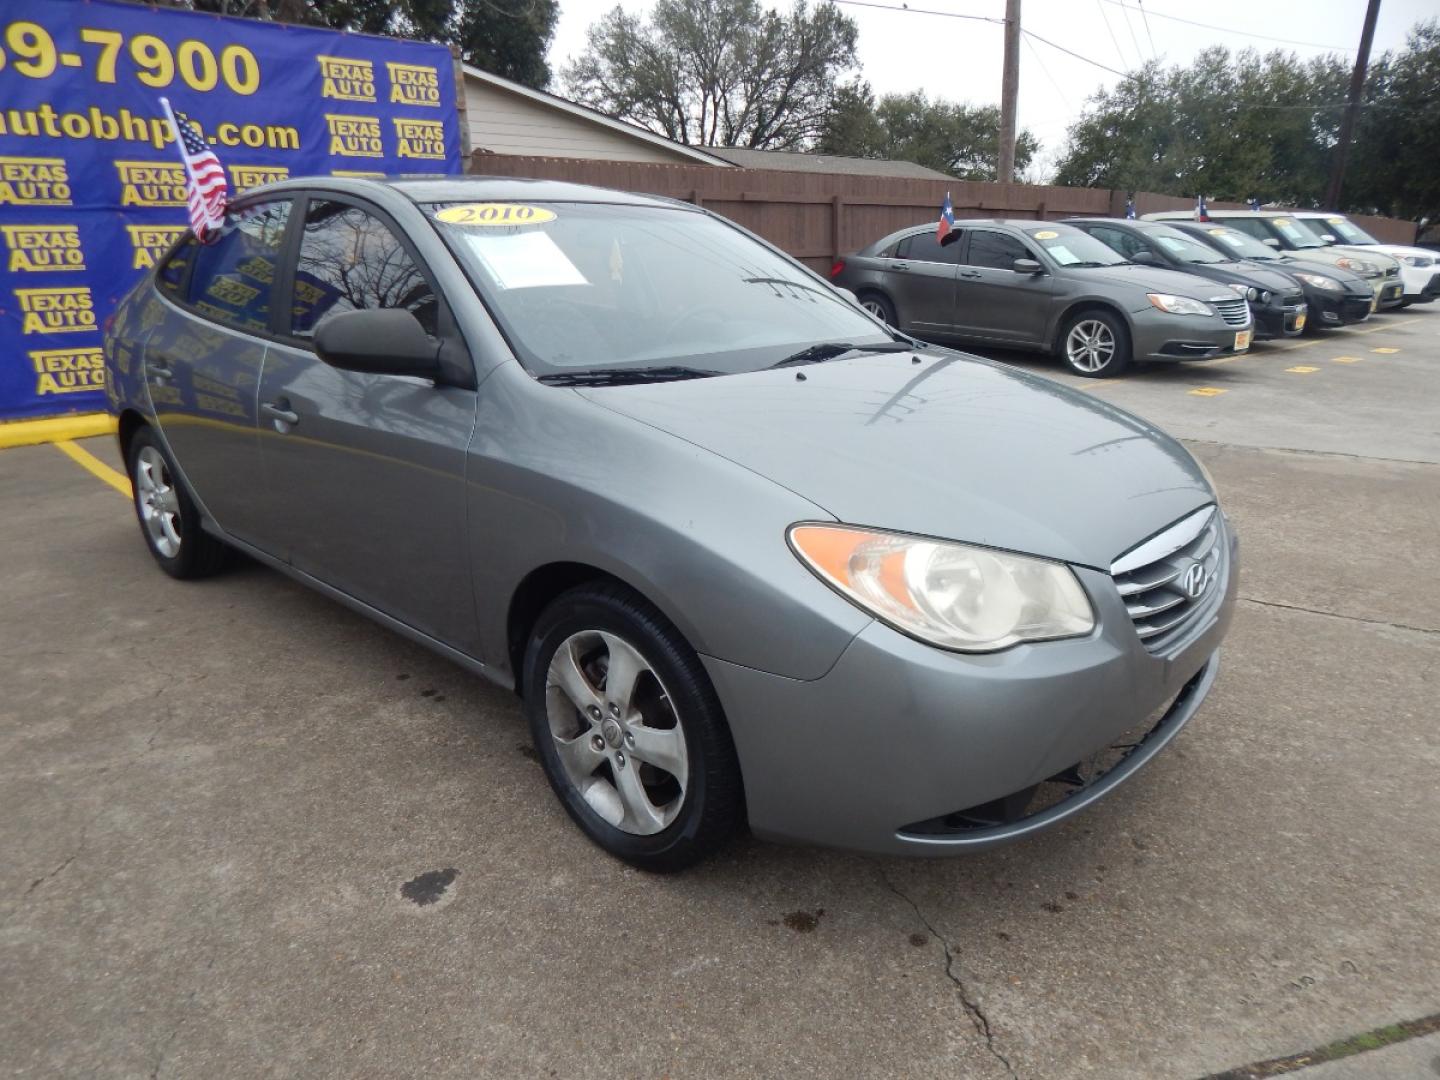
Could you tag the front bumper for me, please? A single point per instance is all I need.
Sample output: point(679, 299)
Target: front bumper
point(1389, 293)
point(899, 733)
point(1276, 322)
point(1158, 335)
point(1422, 285)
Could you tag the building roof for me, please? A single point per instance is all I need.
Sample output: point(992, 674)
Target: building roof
point(584, 112)
point(793, 161)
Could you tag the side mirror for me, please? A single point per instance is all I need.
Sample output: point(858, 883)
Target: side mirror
point(847, 294)
point(379, 341)
point(1270, 241)
point(1146, 257)
point(1027, 266)
point(1328, 238)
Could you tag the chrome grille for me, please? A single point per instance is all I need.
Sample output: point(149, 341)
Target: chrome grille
point(1153, 577)
point(1235, 312)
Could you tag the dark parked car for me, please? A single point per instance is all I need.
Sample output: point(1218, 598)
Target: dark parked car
point(1334, 297)
point(745, 553)
point(1043, 286)
point(1276, 301)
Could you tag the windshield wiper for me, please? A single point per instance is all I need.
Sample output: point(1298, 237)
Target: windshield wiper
point(829, 350)
point(1088, 263)
point(618, 376)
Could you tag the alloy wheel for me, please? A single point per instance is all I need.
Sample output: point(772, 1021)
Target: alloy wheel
point(158, 500)
point(1090, 345)
point(616, 732)
point(874, 307)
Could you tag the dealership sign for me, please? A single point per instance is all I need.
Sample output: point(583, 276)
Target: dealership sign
point(92, 189)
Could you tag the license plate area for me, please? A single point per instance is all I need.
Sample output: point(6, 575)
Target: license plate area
point(1242, 340)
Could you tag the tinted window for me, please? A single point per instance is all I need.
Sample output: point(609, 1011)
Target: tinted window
point(1183, 248)
point(1068, 246)
point(1125, 243)
point(1250, 227)
point(171, 277)
point(351, 261)
point(234, 272)
point(995, 250)
point(923, 247)
point(1298, 237)
point(1241, 245)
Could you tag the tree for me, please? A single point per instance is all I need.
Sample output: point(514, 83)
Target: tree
point(507, 37)
point(963, 140)
point(718, 72)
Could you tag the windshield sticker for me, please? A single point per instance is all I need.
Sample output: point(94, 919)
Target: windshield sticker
point(1282, 221)
point(1217, 232)
point(494, 215)
point(1061, 254)
point(524, 260)
point(1045, 234)
point(1334, 220)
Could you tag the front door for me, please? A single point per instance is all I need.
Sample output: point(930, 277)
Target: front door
point(366, 473)
point(994, 302)
point(922, 280)
point(203, 361)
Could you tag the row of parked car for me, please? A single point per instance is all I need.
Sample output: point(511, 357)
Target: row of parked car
point(1102, 292)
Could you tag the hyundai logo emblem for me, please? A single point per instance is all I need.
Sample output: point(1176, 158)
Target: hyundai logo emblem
point(1194, 580)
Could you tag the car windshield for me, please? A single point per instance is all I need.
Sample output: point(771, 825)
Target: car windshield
point(1343, 231)
point(1181, 247)
point(1069, 246)
point(577, 287)
point(1242, 244)
point(1296, 235)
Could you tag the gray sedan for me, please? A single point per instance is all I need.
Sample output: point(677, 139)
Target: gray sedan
point(745, 553)
point(1047, 287)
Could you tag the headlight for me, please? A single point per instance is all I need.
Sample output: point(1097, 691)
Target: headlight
point(1319, 281)
point(1248, 292)
point(1415, 260)
point(959, 597)
point(1178, 305)
point(1360, 266)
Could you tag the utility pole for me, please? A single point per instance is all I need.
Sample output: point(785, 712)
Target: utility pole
point(1010, 90)
point(1352, 108)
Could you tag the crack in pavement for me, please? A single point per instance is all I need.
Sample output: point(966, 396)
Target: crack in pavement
point(84, 834)
point(165, 1046)
point(1309, 453)
point(1337, 615)
point(977, 1016)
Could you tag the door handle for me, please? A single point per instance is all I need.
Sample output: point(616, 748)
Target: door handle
point(900, 266)
point(970, 273)
point(159, 371)
point(277, 410)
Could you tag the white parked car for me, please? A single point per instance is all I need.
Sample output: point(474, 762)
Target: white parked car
point(1419, 267)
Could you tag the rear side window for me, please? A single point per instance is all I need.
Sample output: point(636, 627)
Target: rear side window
point(234, 273)
point(172, 276)
point(351, 261)
point(923, 247)
point(994, 250)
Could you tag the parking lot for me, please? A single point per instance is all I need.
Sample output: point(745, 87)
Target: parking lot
point(251, 833)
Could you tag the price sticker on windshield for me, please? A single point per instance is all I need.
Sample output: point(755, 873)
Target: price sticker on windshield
point(1045, 234)
point(494, 215)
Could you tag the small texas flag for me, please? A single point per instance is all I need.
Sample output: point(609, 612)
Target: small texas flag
point(1201, 213)
point(206, 191)
point(947, 220)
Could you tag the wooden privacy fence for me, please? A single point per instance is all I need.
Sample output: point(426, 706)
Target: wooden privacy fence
point(817, 217)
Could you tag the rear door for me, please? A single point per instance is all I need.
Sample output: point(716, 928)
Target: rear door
point(203, 360)
point(922, 281)
point(366, 472)
point(993, 301)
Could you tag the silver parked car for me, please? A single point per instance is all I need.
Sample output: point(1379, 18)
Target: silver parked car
point(1045, 286)
point(745, 553)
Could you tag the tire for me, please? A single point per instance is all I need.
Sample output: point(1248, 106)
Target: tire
point(879, 306)
point(1095, 328)
point(169, 520)
point(658, 817)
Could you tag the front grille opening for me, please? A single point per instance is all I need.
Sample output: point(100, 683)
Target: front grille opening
point(1235, 312)
point(1172, 579)
point(1066, 784)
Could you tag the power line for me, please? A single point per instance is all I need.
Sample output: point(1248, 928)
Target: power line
point(921, 11)
point(1077, 56)
point(1036, 53)
point(1113, 39)
point(1232, 30)
point(1153, 53)
point(1133, 39)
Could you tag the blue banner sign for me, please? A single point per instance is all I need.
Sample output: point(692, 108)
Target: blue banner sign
point(92, 189)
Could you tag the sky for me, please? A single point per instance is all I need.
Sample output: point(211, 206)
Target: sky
point(960, 59)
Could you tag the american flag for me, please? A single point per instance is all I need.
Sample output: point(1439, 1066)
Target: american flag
point(206, 191)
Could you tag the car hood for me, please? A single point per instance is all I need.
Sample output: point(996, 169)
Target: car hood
point(1395, 251)
point(1247, 274)
point(953, 447)
point(1153, 279)
point(1350, 282)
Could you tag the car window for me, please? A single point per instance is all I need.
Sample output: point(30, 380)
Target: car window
point(1123, 242)
point(1183, 248)
point(924, 247)
point(171, 277)
point(234, 273)
point(350, 261)
point(1070, 246)
point(1344, 230)
point(1241, 245)
point(1298, 237)
point(994, 250)
point(1250, 227)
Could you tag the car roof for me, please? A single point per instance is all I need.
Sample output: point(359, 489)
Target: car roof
point(426, 189)
point(1134, 223)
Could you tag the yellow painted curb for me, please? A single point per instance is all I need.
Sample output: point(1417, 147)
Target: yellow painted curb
point(55, 429)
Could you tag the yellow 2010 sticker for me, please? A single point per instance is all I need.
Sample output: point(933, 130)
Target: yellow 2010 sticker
point(1045, 234)
point(494, 214)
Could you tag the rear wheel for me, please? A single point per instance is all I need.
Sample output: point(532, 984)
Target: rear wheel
point(629, 730)
point(168, 518)
point(1096, 344)
point(879, 306)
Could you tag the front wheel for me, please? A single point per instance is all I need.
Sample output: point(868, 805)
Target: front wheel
point(880, 307)
point(168, 518)
point(1096, 345)
point(629, 729)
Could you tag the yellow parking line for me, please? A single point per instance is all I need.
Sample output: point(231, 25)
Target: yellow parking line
point(1386, 326)
point(1297, 345)
point(1207, 391)
point(1345, 359)
point(93, 465)
point(1301, 369)
point(1387, 352)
